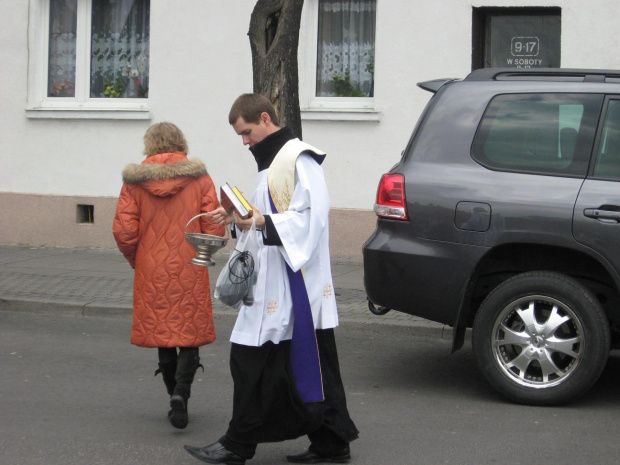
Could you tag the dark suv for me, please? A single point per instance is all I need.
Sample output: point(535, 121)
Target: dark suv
point(503, 215)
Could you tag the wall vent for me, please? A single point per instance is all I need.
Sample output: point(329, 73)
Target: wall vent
point(86, 214)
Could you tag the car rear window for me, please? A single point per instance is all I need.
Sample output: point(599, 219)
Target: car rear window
point(538, 133)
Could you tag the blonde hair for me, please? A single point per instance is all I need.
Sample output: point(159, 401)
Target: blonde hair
point(164, 138)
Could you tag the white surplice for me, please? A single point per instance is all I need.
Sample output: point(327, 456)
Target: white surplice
point(304, 232)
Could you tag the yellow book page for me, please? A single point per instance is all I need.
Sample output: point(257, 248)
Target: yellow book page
point(242, 198)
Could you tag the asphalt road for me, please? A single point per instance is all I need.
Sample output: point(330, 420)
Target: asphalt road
point(74, 391)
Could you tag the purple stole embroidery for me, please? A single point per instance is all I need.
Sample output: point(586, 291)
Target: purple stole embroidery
point(304, 355)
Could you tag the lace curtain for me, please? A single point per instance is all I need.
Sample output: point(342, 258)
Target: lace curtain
point(346, 48)
point(61, 62)
point(120, 48)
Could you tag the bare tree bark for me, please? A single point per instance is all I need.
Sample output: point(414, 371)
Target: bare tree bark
point(274, 39)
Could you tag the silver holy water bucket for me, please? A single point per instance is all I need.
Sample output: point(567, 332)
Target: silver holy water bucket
point(205, 244)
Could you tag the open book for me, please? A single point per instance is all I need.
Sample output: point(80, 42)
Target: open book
point(232, 199)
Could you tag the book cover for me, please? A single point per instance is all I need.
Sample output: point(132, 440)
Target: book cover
point(232, 199)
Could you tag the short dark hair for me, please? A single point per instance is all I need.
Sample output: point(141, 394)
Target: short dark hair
point(250, 107)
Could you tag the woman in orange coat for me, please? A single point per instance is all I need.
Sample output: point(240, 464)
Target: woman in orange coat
point(172, 300)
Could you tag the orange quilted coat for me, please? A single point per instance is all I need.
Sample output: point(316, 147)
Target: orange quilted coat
point(171, 299)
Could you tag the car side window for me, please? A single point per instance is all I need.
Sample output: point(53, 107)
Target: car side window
point(607, 165)
point(538, 133)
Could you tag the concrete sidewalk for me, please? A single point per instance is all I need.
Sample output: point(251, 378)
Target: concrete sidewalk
point(99, 282)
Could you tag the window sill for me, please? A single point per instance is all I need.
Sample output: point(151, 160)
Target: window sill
point(82, 113)
point(311, 114)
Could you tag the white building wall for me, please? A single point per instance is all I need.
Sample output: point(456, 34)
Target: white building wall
point(200, 62)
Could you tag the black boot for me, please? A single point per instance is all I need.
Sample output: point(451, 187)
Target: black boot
point(168, 372)
point(168, 369)
point(187, 364)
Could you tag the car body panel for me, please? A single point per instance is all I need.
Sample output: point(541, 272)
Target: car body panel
point(424, 265)
point(597, 210)
point(411, 274)
point(601, 232)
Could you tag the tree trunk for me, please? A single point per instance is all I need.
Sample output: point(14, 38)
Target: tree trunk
point(274, 39)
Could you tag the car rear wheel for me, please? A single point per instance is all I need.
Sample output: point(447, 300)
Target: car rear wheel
point(541, 338)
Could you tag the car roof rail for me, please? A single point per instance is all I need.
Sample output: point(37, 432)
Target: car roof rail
point(552, 74)
point(434, 85)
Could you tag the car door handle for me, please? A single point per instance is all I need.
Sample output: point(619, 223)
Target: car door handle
point(599, 214)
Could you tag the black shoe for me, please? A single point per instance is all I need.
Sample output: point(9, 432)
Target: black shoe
point(340, 456)
point(178, 412)
point(215, 453)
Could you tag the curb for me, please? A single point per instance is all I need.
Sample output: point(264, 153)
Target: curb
point(94, 309)
point(63, 308)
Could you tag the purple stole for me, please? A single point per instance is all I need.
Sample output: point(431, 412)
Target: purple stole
point(304, 355)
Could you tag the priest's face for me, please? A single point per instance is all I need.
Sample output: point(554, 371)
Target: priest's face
point(253, 133)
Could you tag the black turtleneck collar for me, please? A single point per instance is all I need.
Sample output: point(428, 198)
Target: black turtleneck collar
point(265, 151)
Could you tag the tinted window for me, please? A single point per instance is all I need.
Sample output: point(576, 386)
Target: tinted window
point(516, 37)
point(538, 133)
point(608, 157)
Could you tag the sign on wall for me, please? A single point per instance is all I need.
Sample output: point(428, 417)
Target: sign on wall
point(523, 41)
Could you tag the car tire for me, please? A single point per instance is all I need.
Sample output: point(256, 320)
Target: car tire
point(541, 338)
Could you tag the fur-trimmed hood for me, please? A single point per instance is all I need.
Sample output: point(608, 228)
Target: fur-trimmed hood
point(164, 174)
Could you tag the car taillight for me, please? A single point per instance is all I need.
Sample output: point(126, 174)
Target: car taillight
point(391, 197)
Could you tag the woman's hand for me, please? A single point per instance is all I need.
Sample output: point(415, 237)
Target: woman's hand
point(220, 216)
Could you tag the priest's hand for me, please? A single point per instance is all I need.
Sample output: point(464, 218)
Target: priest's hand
point(258, 217)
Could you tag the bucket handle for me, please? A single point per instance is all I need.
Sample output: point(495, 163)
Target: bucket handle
point(200, 214)
point(204, 214)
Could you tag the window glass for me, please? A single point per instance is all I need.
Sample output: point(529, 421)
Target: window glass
point(120, 49)
point(113, 56)
point(346, 48)
point(608, 156)
point(61, 58)
point(516, 38)
point(538, 133)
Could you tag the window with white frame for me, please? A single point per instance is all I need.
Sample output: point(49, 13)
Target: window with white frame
point(341, 54)
point(93, 54)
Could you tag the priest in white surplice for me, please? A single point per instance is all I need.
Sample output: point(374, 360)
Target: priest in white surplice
point(283, 357)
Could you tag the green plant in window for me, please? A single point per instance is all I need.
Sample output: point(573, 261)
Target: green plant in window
point(143, 91)
point(114, 89)
point(370, 63)
point(343, 86)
